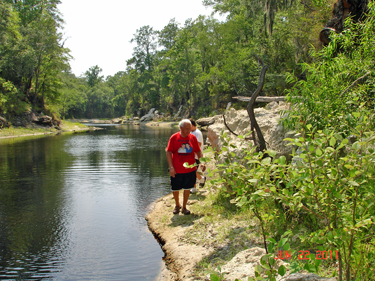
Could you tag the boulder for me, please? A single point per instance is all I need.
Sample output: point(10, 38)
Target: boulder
point(243, 264)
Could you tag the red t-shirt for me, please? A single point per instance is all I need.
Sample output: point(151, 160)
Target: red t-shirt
point(183, 150)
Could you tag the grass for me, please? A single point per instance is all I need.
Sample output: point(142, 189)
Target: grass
point(21, 131)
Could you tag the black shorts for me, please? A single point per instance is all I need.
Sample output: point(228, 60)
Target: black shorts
point(183, 181)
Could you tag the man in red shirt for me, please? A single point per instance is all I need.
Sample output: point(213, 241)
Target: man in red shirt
point(181, 148)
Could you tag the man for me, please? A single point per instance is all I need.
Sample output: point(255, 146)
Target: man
point(182, 177)
point(198, 134)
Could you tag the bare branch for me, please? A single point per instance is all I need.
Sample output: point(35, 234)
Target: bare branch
point(353, 84)
point(230, 130)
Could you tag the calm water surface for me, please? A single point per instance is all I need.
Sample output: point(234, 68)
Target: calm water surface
point(72, 207)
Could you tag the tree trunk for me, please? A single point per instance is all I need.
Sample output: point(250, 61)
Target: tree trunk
point(260, 143)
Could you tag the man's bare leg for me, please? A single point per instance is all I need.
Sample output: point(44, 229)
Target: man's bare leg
point(176, 195)
point(186, 198)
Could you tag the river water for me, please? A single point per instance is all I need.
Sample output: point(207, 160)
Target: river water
point(72, 206)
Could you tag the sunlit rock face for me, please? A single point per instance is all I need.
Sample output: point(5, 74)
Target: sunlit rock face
point(238, 121)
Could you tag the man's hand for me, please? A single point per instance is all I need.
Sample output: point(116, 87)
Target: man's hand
point(172, 172)
point(203, 167)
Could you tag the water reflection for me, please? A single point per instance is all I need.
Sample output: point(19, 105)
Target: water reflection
point(72, 207)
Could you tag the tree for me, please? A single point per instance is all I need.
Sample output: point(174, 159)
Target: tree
point(36, 56)
point(166, 37)
point(73, 99)
point(93, 76)
point(144, 52)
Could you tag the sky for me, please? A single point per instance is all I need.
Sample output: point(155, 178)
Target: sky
point(99, 32)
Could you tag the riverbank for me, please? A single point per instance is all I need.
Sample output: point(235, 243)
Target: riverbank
point(219, 238)
point(212, 240)
point(65, 126)
point(75, 126)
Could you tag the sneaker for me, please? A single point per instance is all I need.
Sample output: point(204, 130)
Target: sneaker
point(193, 190)
point(203, 182)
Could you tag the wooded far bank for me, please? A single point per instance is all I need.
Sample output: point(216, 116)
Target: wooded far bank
point(200, 64)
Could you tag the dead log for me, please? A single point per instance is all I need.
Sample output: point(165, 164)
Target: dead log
point(206, 121)
point(261, 98)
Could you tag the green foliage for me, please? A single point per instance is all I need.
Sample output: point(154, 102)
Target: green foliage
point(330, 178)
point(333, 179)
point(31, 54)
point(217, 276)
point(204, 63)
point(199, 65)
point(268, 268)
point(9, 99)
point(93, 76)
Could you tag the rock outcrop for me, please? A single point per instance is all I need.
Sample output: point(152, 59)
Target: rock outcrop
point(238, 121)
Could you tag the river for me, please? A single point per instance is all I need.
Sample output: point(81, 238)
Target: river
point(72, 206)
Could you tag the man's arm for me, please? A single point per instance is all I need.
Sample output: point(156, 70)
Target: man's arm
point(200, 154)
point(172, 171)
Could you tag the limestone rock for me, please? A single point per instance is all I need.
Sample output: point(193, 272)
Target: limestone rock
point(117, 121)
point(239, 122)
point(243, 264)
point(149, 116)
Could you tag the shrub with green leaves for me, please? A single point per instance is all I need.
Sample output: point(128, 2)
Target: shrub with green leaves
point(331, 180)
point(334, 180)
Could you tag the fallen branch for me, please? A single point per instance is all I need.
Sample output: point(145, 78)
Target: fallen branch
point(260, 99)
point(230, 130)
